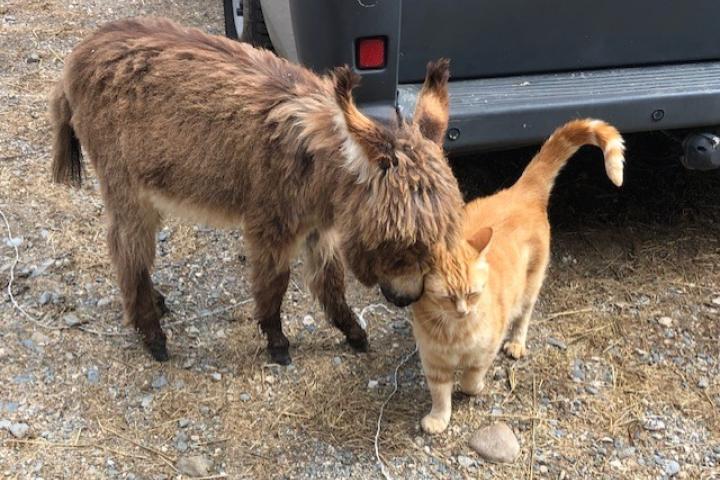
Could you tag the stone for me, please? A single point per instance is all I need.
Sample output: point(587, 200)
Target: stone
point(159, 382)
point(372, 384)
point(19, 430)
point(703, 383)
point(146, 401)
point(557, 343)
point(195, 466)
point(104, 302)
point(654, 424)
point(496, 443)
point(39, 338)
point(45, 298)
point(33, 58)
point(665, 321)
point(336, 361)
point(244, 397)
point(183, 422)
point(93, 374)
point(671, 468)
point(216, 376)
point(465, 462)
point(72, 320)
point(716, 300)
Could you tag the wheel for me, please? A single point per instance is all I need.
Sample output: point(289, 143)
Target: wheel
point(244, 21)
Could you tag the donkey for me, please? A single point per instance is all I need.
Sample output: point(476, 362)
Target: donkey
point(178, 121)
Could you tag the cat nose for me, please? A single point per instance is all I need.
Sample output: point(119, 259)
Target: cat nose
point(462, 307)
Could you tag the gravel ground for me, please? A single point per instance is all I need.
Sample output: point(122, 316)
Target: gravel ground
point(621, 380)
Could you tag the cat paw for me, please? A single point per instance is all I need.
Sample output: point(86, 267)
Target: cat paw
point(433, 425)
point(515, 350)
point(472, 389)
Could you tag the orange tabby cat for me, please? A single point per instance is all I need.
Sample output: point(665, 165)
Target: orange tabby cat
point(489, 284)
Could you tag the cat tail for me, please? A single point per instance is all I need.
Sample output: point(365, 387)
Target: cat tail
point(542, 170)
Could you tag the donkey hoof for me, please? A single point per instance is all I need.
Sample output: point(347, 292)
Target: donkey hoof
point(359, 343)
point(158, 350)
point(279, 355)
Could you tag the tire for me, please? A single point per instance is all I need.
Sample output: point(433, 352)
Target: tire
point(254, 30)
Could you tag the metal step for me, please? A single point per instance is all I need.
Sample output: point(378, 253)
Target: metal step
point(504, 112)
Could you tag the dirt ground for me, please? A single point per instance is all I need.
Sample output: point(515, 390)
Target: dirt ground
point(621, 380)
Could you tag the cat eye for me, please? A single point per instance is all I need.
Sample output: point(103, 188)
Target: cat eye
point(472, 297)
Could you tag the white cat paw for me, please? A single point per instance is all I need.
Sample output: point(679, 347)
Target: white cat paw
point(433, 425)
point(472, 389)
point(514, 349)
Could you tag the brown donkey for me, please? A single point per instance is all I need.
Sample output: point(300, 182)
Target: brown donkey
point(175, 120)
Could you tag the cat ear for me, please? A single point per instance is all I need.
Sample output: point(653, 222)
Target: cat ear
point(481, 239)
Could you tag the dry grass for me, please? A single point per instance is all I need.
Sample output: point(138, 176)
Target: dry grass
point(621, 261)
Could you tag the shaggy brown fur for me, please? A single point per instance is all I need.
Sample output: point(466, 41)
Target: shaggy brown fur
point(177, 120)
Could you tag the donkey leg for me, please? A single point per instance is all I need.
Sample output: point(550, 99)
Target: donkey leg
point(131, 239)
point(269, 283)
point(327, 283)
point(159, 300)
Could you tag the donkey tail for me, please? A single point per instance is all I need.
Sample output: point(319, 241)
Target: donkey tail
point(67, 155)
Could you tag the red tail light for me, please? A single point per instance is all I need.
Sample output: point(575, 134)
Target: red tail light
point(370, 53)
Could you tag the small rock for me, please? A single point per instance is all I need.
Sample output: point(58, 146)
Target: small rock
point(181, 446)
point(496, 443)
point(626, 453)
point(220, 334)
point(183, 422)
point(244, 397)
point(45, 298)
point(616, 464)
point(23, 378)
point(269, 379)
point(104, 302)
point(419, 441)
point(716, 300)
point(187, 364)
point(159, 382)
point(665, 321)
point(465, 462)
point(72, 320)
point(195, 466)
point(14, 242)
point(308, 320)
point(372, 384)
point(557, 343)
point(591, 390)
point(33, 58)
point(216, 376)
point(39, 338)
point(164, 234)
point(336, 361)
point(5, 424)
point(654, 424)
point(671, 468)
point(93, 374)
point(703, 382)
point(19, 430)
point(146, 401)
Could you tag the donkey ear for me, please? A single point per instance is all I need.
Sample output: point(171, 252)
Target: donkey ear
point(481, 239)
point(431, 110)
point(374, 139)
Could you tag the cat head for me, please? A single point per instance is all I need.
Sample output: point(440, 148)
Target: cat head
point(458, 278)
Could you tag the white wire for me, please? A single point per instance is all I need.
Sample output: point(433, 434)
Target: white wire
point(383, 468)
